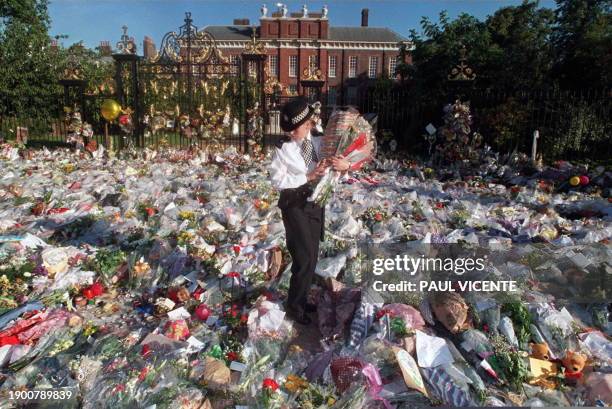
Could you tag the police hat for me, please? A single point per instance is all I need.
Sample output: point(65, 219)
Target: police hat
point(294, 113)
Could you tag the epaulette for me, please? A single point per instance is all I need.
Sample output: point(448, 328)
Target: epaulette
point(281, 141)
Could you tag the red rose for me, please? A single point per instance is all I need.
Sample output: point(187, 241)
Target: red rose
point(485, 327)
point(88, 293)
point(150, 211)
point(381, 314)
point(233, 274)
point(124, 119)
point(59, 210)
point(173, 294)
point(270, 384)
point(198, 292)
point(244, 318)
point(257, 203)
point(378, 217)
point(143, 373)
point(146, 350)
point(236, 249)
point(232, 356)
point(97, 288)
point(439, 205)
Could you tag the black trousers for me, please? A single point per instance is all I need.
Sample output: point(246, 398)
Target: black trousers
point(304, 223)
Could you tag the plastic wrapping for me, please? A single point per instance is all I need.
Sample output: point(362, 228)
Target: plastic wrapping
point(166, 232)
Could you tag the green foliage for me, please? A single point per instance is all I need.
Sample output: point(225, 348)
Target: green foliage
point(31, 67)
point(438, 51)
point(28, 73)
point(519, 314)
point(505, 122)
point(520, 53)
point(582, 40)
point(582, 127)
point(107, 262)
point(519, 46)
point(509, 364)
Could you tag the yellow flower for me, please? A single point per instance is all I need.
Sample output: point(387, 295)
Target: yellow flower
point(141, 267)
point(89, 330)
point(294, 383)
point(184, 237)
point(331, 401)
point(187, 215)
point(68, 168)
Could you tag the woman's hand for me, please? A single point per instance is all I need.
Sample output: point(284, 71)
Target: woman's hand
point(318, 171)
point(340, 164)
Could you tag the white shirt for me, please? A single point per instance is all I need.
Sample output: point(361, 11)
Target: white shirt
point(288, 169)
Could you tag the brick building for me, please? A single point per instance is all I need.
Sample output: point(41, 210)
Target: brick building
point(297, 44)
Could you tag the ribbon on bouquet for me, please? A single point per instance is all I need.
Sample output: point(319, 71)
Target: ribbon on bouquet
point(374, 384)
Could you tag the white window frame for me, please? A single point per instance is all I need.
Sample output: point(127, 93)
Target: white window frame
point(332, 65)
point(352, 71)
point(392, 66)
point(373, 63)
point(273, 65)
point(293, 66)
point(313, 62)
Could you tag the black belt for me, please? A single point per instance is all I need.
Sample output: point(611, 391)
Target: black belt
point(294, 196)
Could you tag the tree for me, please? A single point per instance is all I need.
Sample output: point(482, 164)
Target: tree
point(509, 49)
point(436, 53)
point(404, 70)
point(521, 54)
point(582, 39)
point(29, 69)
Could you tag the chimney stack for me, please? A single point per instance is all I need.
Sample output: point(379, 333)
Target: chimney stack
point(364, 17)
point(148, 48)
point(241, 21)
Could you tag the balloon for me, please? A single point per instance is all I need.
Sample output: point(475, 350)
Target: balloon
point(574, 180)
point(110, 109)
point(584, 180)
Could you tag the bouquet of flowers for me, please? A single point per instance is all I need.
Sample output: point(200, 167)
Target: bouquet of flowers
point(349, 135)
point(269, 398)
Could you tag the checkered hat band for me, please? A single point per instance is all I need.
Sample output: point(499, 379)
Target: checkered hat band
point(301, 116)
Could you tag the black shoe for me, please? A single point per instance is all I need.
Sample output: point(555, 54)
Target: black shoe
point(299, 316)
point(310, 308)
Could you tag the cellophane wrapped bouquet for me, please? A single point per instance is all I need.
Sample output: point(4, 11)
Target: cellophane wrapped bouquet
point(349, 135)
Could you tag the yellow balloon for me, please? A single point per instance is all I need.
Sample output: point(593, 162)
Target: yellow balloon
point(574, 181)
point(110, 109)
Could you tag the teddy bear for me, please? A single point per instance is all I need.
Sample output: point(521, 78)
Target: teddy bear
point(574, 363)
point(451, 310)
point(540, 351)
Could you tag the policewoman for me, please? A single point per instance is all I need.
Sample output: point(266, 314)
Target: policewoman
point(294, 171)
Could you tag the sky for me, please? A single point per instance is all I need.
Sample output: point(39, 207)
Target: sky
point(92, 21)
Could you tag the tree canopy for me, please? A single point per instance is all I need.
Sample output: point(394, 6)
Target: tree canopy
point(522, 46)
